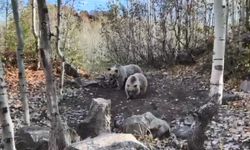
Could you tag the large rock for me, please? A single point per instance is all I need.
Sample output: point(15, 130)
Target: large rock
point(229, 97)
point(185, 58)
point(245, 86)
point(36, 138)
point(71, 135)
point(71, 70)
point(109, 141)
point(33, 138)
point(245, 144)
point(183, 132)
point(183, 128)
point(98, 119)
point(146, 123)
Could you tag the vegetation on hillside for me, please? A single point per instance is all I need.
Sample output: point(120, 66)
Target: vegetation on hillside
point(158, 34)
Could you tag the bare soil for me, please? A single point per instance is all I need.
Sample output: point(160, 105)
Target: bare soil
point(171, 95)
point(167, 97)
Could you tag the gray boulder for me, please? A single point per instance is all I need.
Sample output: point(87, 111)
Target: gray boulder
point(98, 119)
point(36, 138)
point(33, 138)
point(245, 86)
point(245, 144)
point(145, 124)
point(109, 141)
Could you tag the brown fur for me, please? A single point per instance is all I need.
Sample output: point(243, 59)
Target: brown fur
point(136, 85)
point(121, 73)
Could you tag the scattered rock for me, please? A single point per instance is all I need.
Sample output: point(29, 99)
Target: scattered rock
point(146, 123)
point(98, 119)
point(232, 120)
point(109, 142)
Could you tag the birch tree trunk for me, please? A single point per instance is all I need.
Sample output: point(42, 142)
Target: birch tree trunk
point(206, 112)
point(58, 46)
point(57, 139)
point(35, 31)
point(6, 22)
point(21, 67)
point(5, 119)
point(216, 81)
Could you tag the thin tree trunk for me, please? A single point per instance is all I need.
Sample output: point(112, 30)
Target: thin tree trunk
point(211, 16)
point(178, 18)
point(247, 15)
point(241, 24)
point(35, 31)
point(58, 46)
point(227, 16)
point(57, 134)
point(5, 119)
point(188, 26)
point(233, 15)
point(6, 23)
point(233, 20)
point(151, 33)
point(243, 12)
point(216, 81)
point(227, 24)
point(205, 19)
point(20, 57)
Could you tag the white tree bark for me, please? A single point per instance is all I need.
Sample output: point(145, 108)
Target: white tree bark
point(57, 139)
point(5, 119)
point(216, 81)
point(21, 67)
point(35, 31)
point(58, 46)
point(206, 112)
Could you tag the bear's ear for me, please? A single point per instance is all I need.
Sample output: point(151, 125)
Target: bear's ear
point(108, 69)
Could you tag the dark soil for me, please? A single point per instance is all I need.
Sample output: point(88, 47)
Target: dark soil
point(167, 98)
